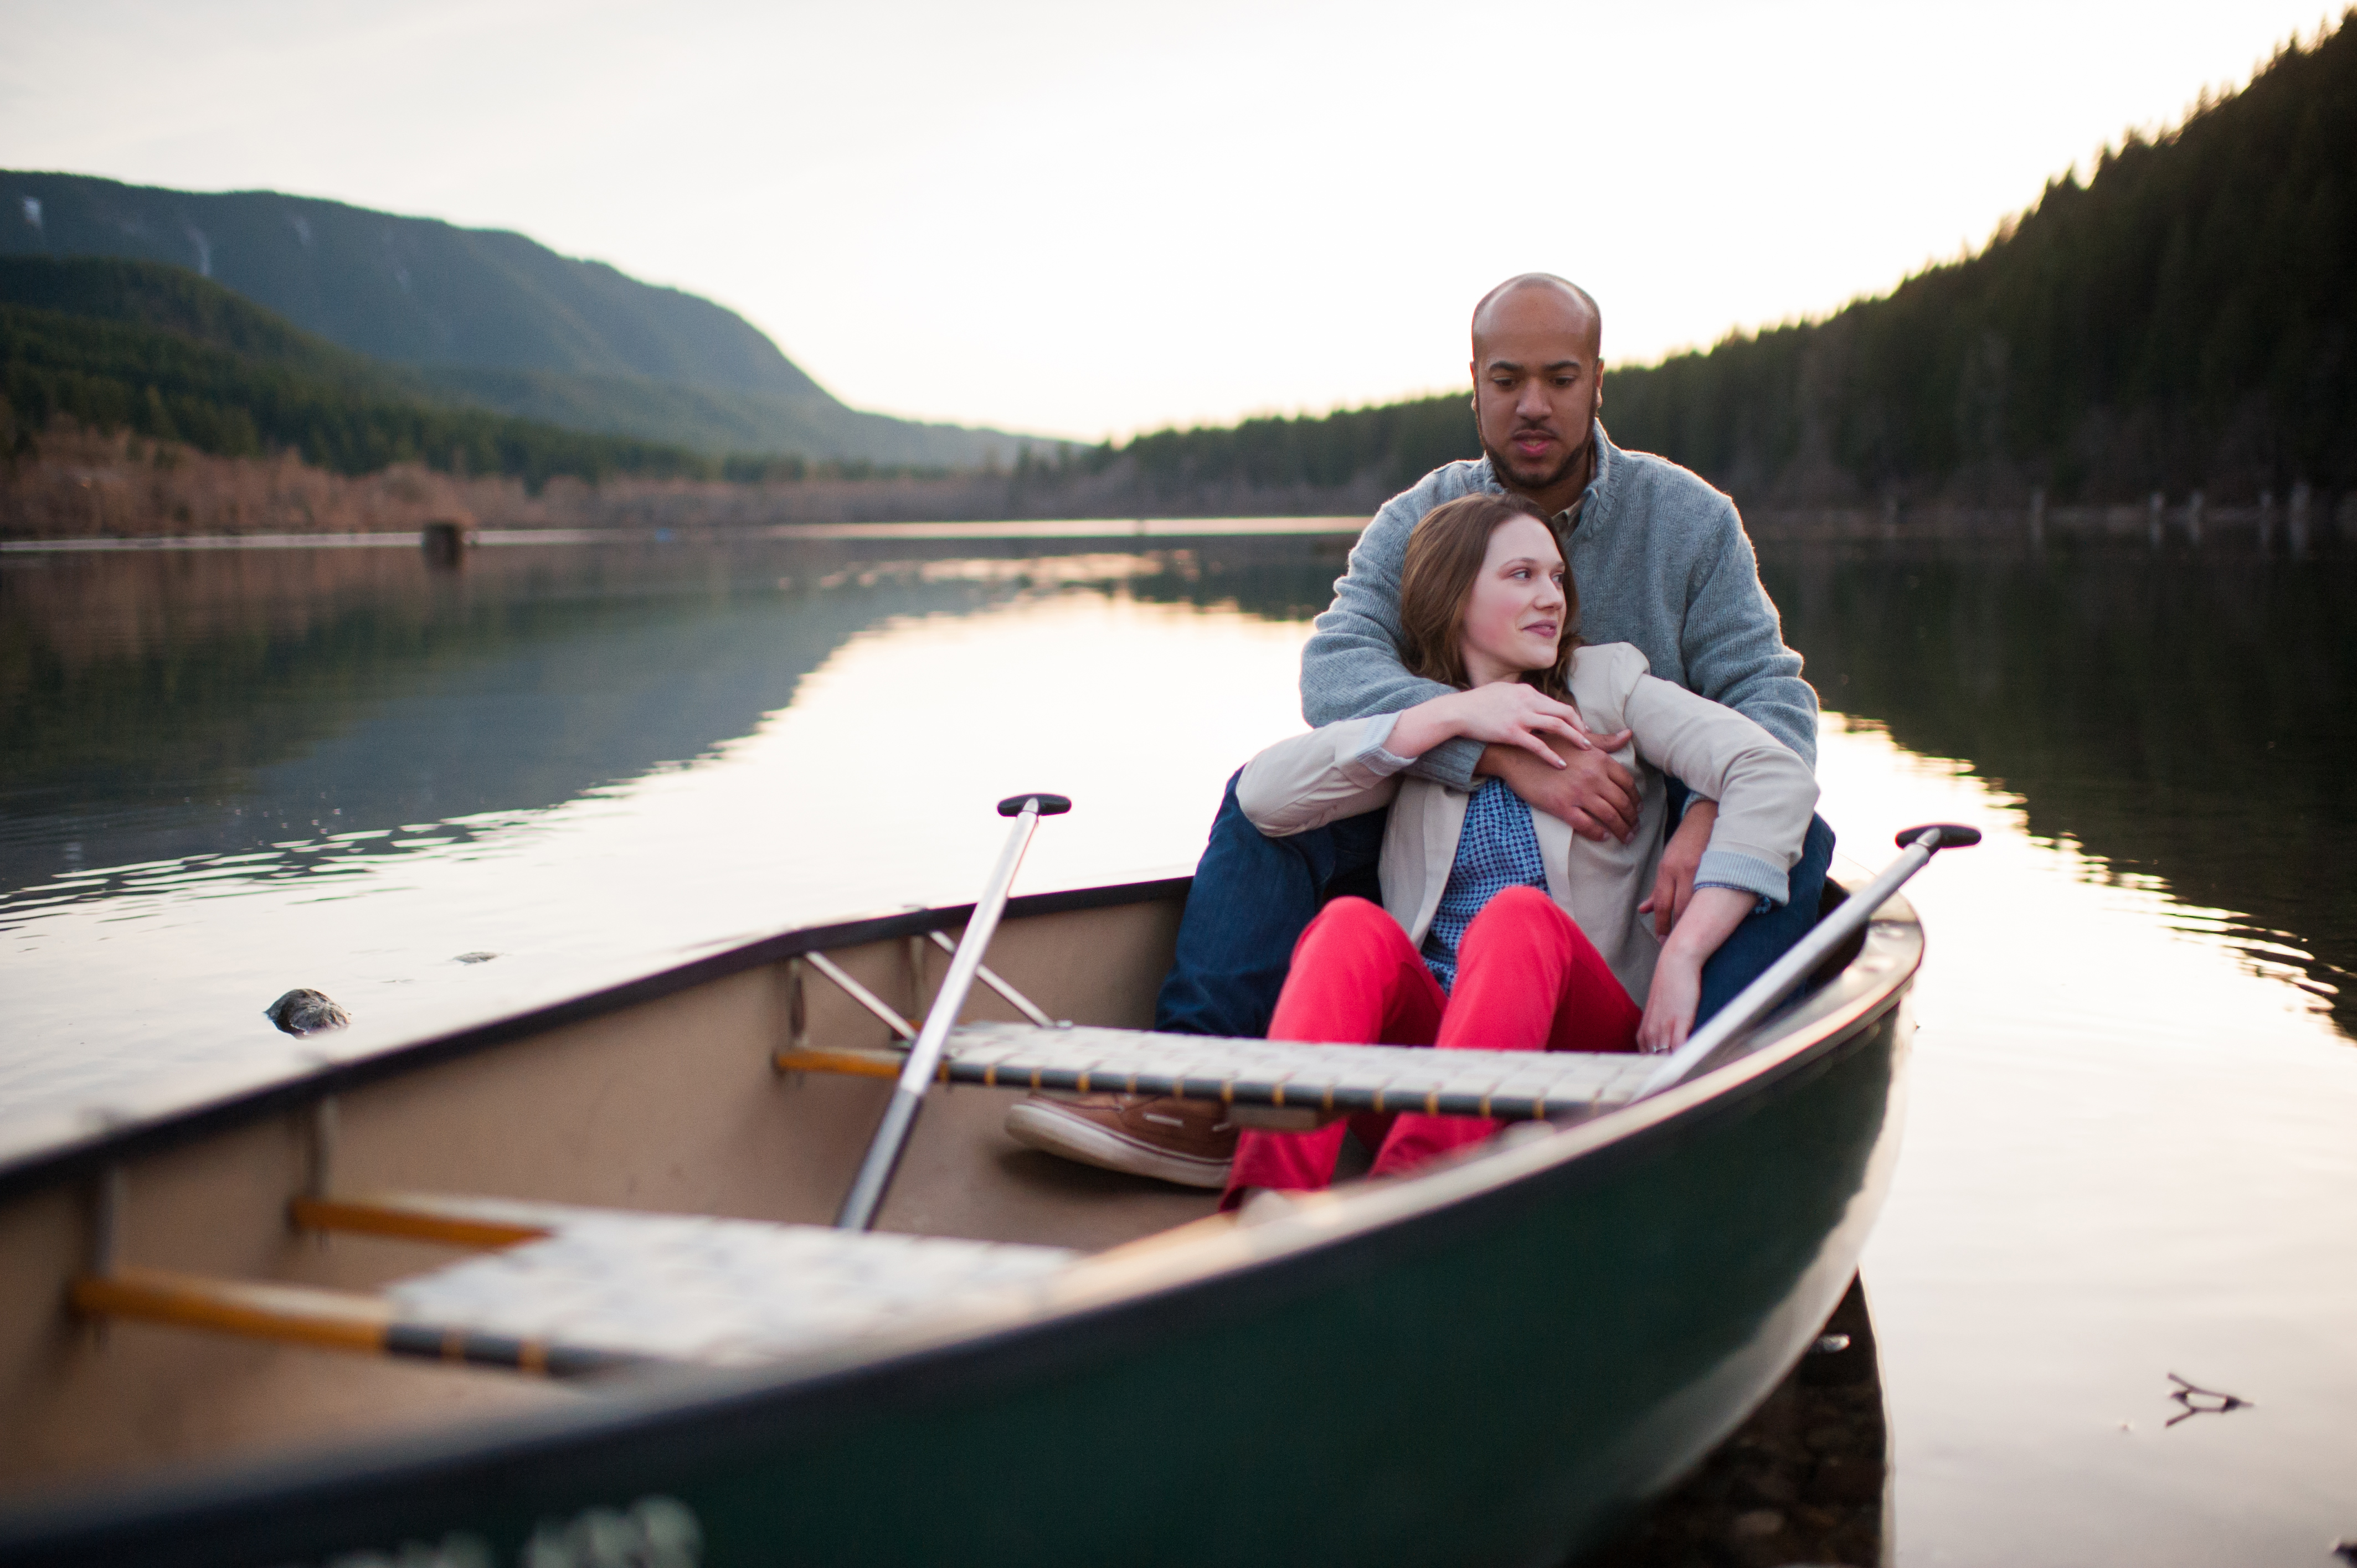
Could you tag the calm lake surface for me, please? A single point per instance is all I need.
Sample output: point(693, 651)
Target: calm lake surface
point(438, 797)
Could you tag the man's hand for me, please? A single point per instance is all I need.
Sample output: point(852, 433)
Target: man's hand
point(1673, 883)
point(1500, 713)
point(1595, 794)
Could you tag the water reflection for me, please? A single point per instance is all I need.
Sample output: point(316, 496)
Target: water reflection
point(361, 779)
point(2189, 718)
point(1804, 1479)
point(264, 715)
point(2127, 1150)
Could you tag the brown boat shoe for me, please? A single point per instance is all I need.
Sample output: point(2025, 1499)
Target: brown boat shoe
point(1190, 1141)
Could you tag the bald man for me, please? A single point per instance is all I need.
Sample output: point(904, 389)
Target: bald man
point(1661, 561)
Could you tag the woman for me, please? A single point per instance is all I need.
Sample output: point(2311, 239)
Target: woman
point(1499, 929)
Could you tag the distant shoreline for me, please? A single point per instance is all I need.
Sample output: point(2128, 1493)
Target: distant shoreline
point(2267, 528)
point(1021, 528)
point(119, 491)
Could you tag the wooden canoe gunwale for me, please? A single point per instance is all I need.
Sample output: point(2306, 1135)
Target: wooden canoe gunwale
point(697, 1417)
point(68, 1161)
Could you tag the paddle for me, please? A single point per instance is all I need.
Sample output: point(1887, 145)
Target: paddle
point(1756, 1000)
point(867, 1187)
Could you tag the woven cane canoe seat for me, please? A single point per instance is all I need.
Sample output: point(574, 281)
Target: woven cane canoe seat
point(1507, 1085)
point(724, 1292)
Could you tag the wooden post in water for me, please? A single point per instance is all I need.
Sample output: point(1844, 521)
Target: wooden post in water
point(2152, 524)
point(2267, 518)
point(445, 543)
point(2294, 517)
point(2193, 518)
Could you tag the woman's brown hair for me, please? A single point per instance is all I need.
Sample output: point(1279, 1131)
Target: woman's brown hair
point(1444, 556)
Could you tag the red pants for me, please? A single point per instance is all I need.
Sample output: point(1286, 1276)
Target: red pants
point(1527, 979)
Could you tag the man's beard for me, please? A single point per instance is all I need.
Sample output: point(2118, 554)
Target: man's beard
point(1506, 471)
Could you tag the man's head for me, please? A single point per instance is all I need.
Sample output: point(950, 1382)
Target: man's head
point(1538, 372)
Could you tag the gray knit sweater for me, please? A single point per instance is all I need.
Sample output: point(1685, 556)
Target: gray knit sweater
point(1661, 560)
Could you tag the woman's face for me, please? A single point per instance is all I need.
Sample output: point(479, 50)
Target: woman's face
point(1514, 618)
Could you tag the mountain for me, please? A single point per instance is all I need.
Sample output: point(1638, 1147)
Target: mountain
point(162, 352)
point(487, 316)
point(2186, 319)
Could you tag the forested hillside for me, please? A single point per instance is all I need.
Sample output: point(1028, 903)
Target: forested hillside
point(156, 349)
point(2182, 320)
point(1392, 445)
point(491, 318)
point(2185, 319)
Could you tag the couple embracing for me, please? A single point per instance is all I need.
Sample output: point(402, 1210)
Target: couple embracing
point(1561, 742)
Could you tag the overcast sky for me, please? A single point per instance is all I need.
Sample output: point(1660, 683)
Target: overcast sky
point(1090, 219)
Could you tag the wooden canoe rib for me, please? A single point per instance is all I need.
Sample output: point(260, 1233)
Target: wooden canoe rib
point(327, 1320)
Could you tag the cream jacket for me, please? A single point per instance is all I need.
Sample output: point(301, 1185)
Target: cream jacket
point(1765, 795)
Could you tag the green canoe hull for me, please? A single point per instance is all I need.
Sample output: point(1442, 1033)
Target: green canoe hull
point(1498, 1375)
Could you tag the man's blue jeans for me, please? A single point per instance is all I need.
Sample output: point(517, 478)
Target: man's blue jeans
point(1253, 895)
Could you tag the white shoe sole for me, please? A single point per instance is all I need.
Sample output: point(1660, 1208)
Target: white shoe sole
point(1052, 1131)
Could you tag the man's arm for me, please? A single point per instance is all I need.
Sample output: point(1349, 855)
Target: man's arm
point(1733, 644)
point(1351, 667)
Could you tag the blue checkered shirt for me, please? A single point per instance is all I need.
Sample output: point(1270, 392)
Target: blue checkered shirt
point(1498, 850)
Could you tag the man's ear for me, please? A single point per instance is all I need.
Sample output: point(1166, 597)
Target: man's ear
point(1596, 412)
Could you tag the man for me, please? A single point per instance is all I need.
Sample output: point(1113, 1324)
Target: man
point(1662, 560)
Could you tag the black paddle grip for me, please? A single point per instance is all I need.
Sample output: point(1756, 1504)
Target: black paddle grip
point(1057, 805)
point(1953, 835)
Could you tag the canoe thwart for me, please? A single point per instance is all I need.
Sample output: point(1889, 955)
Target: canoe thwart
point(855, 1061)
point(420, 1217)
point(325, 1319)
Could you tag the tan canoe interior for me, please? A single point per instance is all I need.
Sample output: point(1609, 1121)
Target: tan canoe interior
point(670, 1106)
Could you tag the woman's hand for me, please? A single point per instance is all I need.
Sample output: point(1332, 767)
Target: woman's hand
point(1503, 712)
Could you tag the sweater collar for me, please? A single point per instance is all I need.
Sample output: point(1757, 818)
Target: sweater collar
point(1590, 499)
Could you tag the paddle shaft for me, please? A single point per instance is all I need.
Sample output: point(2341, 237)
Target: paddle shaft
point(1756, 1000)
point(874, 1176)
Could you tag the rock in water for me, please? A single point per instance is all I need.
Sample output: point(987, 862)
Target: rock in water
point(306, 1012)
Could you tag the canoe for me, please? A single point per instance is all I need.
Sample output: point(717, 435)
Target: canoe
point(214, 1351)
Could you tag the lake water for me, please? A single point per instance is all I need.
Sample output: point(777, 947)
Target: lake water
point(441, 796)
